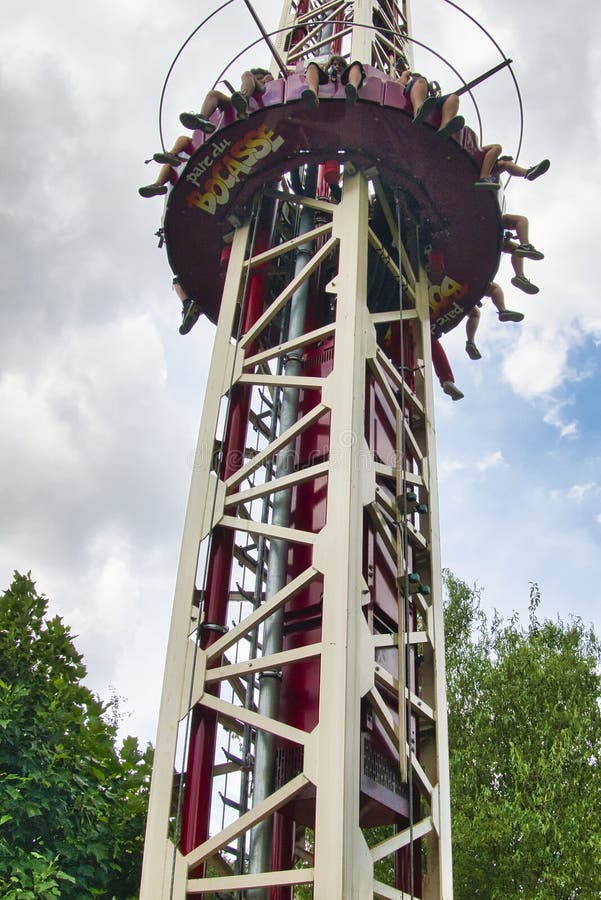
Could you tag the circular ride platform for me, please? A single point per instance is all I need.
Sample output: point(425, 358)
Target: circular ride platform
point(435, 176)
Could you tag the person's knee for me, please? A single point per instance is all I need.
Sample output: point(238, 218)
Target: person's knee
point(419, 88)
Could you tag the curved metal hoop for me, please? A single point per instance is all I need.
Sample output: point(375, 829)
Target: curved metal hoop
point(403, 38)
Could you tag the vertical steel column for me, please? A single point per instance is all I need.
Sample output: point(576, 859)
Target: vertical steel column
point(260, 848)
point(163, 873)
point(342, 862)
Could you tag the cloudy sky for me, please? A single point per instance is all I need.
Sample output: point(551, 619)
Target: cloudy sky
point(100, 397)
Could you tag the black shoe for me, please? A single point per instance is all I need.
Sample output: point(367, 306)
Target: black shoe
point(310, 98)
point(539, 169)
point(472, 351)
point(509, 315)
point(240, 104)
point(425, 109)
point(528, 251)
point(351, 93)
point(152, 190)
point(196, 122)
point(521, 282)
point(455, 124)
point(190, 313)
point(168, 159)
point(489, 184)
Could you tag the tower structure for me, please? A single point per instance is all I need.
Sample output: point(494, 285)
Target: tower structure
point(304, 692)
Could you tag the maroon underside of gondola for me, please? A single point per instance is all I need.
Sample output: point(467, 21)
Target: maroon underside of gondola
point(434, 176)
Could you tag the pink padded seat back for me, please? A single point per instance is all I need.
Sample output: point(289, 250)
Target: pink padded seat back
point(373, 86)
point(274, 94)
point(394, 96)
point(296, 84)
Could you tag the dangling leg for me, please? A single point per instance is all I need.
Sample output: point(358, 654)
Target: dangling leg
point(495, 293)
point(200, 121)
point(310, 93)
point(471, 327)
point(491, 155)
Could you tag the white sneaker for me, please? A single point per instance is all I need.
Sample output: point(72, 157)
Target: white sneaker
point(450, 388)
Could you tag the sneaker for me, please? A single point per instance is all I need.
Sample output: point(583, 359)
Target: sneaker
point(351, 93)
point(450, 388)
point(168, 159)
point(488, 184)
point(528, 251)
point(521, 282)
point(456, 123)
point(310, 98)
point(539, 169)
point(425, 109)
point(508, 315)
point(190, 313)
point(152, 190)
point(472, 351)
point(196, 122)
point(240, 104)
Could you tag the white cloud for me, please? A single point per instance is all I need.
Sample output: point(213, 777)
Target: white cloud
point(491, 461)
point(536, 365)
point(449, 466)
point(553, 416)
point(579, 491)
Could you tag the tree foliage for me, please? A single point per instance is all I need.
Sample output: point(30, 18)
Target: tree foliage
point(525, 748)
point(72, 803)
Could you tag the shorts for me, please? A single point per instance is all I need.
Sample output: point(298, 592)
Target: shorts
point(409, 86)
point(324, 78)
point(345, 73)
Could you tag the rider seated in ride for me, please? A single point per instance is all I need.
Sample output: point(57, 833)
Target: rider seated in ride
point(351, 76)
point(426, 97)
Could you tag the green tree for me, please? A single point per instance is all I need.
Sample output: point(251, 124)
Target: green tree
point(525, 747)
point(72, 803)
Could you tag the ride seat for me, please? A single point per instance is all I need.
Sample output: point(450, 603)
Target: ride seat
point(372, 90)
point(394, 96)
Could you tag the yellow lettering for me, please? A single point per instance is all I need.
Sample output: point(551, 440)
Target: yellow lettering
point(206, 202)
point(219, 189)
point(241, 151)
point(434, 295)
point(450, 288)
point(235, 167)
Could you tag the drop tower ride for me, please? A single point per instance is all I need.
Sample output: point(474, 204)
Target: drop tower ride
point(304, 689)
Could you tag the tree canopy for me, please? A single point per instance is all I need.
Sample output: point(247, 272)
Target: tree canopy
point(524, 735)
point(525, 748)
point(72, 802)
